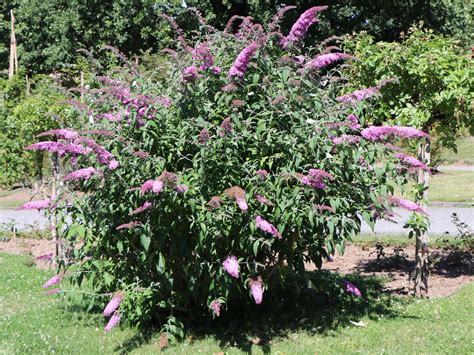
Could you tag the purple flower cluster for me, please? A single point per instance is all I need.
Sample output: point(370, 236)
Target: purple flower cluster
point(214, 202)
point(353, 121)
point(267, 227)
point(113, 304)
point(229, 87)
point(129, 225)
point(53, 281)
point(346, 138)
point(47, 146)
point(411, 161)
point(113, 321)
point(377, 133)
point(300, 27)
point(256, 288)
point(231, 266)
point(68, 134)
point(181, 188)
point(203, 136)
point(358, 95)
point(316, 178)
point(203, 55)
point(242, 61)
point(35, 205)
point(407, 205)
point(226, 127)
point(263, 200)
point(152, 185)
point(278, 100)
point(276, 19)
point(261, 173)
point(350, 288)
point(45, 257)
point(324, 60)
point(147, 205)
point(216, 307)
point(190, 73)
point(321, 208)
point(81, 174)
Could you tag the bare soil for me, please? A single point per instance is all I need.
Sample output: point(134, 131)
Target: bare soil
point(34, 247)
point(19, 195)
point(448, 273)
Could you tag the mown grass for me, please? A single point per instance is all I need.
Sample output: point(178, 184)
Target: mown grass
point(452, 186)
point(402, 240)
point(464, 155)
point(34, 323)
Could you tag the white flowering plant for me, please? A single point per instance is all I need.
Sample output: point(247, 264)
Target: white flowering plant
point(214, 185)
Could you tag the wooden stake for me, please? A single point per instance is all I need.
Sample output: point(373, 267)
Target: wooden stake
point(421, 247)
point(13, 68)
point(54, 193)
point(82, 86)
point(27, 85)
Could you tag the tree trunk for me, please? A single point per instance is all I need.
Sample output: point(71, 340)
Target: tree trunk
point(421, 249)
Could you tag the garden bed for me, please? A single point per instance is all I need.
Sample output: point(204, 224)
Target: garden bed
point(396, 266)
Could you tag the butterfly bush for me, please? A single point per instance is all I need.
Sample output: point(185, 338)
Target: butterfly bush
point(213, 187)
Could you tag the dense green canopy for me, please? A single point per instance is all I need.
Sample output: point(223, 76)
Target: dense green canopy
point(50, 31)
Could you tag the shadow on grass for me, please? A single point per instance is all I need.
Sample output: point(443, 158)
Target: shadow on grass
point(321, 307)
point(318, 309)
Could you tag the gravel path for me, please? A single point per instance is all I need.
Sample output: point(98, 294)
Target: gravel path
point(456, 168)
point(440, 220)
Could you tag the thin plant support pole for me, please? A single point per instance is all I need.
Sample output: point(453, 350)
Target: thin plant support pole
point(28, 86)
point(54, 194)
point(13, 68)
point(82, 86)
point(421, 248)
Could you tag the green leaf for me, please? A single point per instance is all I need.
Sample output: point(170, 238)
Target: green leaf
point(145, 241)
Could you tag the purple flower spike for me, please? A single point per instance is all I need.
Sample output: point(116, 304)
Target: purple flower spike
point(53, 281)
point(114, 320)
point(231, 266)
point(216, 307)
point(257, 290)
point(181, 188)
point(300, 27)
point(411, 161)
point(242, 204)
point(152, 185)
point(350, 288)
point(113, 304)
point(113, 164)
point(190, 73)
point(51, 147)
point(242, 61)
point(407, 205)
point(267, 227)
point(35, 205)
point(84, 174)
point(324, 60)
point(68, 134)
point(147, 205)
point(378, 133)
point(53, 291)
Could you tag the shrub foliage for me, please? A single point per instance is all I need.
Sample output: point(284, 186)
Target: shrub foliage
point(218, 184)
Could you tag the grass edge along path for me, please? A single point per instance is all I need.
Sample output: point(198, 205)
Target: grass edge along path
point(31, 322)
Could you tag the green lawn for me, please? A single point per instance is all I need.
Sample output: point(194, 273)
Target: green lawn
point(464, 155)
point(452, 186)
point(31, 322)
